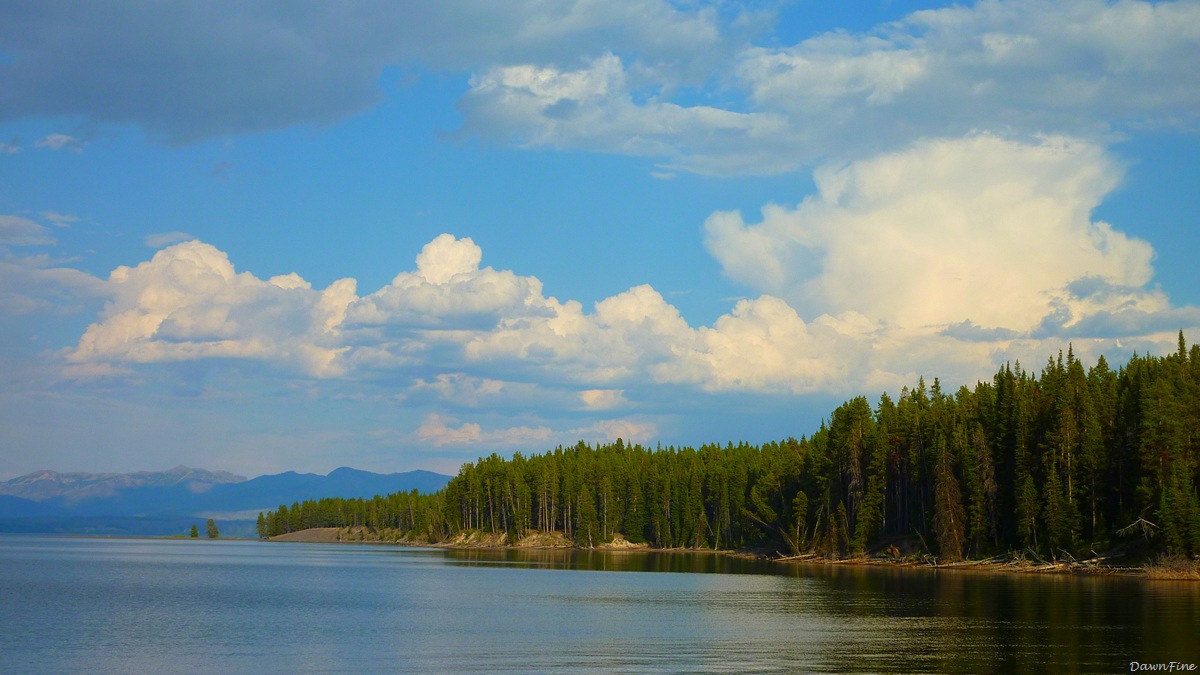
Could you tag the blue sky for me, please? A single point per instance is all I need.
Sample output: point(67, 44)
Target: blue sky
point(269, 236)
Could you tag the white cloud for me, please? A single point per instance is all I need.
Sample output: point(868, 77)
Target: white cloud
point(449, 290)
point(942, 259)
point(606, 431)
point(441, 431)
point(603, 399)
point(10, 148)
point(763, 345)
point(594, 108)
point(187, 303)
point(1081, 67)
point(60, 142)
point(626, 334)
point(980, 229)
point(466, 390)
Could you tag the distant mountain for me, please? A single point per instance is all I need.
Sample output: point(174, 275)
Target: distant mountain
point(47, 501)
point(268, 492)
point(73, 488)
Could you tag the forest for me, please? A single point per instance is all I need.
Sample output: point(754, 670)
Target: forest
point(1066, 463)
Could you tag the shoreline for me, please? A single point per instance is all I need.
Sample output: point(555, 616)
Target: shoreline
point(1185, 571)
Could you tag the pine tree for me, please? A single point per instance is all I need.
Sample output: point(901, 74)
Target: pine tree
point(1027, 512)
point(587, 528)
point(949, 517)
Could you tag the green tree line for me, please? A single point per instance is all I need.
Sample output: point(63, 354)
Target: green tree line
point(1067, 461)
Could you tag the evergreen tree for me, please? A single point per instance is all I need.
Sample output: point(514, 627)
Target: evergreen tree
point(949, 517)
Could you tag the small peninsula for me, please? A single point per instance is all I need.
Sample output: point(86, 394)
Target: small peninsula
point(1073, 467)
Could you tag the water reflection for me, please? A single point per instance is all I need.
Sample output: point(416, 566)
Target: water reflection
point(146, 606)
point(904, 620)
point(997, 622)
point(612, 561)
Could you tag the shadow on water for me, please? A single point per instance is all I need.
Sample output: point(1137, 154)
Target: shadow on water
point(1001, 621)
point(611, 561)
point(907, 619)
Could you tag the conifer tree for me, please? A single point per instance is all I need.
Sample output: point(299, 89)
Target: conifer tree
point(949, 517)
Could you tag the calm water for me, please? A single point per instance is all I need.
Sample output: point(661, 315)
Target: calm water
point(129, 605)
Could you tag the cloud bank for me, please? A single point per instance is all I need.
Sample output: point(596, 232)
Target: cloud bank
point(686, 86)
point(1085, 68)
point(276, 65)
point(938, 259)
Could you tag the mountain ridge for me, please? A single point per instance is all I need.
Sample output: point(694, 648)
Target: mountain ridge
point(75, 486)
point(49, 501)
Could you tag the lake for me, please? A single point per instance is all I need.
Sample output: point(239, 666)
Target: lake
point(163, 605)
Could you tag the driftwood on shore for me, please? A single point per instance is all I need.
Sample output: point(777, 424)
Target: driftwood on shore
point(1024, 562)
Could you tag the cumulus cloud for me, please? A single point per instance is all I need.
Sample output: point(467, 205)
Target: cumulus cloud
point(944, 258)
point(187, 302)
point(978, 229)
point(449, 290)
point(603, 399)
point(626, 334)
point(491, 337)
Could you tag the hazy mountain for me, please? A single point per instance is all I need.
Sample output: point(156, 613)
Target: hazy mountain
point(73, 488)
point(268, 492)
point(154, 502)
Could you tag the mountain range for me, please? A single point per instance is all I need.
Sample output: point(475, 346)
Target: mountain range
point(168, 502)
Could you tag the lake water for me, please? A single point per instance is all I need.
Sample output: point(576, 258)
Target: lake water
point(146, 605)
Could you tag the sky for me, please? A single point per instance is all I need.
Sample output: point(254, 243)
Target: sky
point(267, 236)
